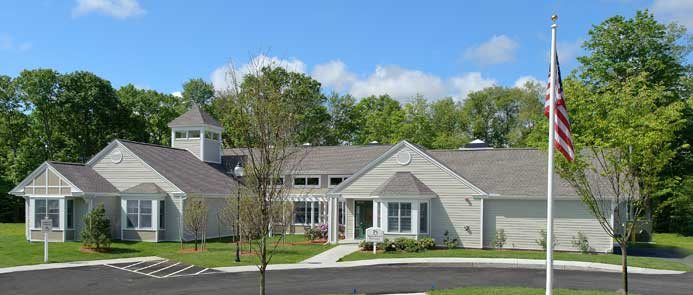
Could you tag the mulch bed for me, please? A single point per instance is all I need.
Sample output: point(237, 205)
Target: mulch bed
point(93, 250)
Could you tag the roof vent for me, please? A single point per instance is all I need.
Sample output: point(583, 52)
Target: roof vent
point(476, 144)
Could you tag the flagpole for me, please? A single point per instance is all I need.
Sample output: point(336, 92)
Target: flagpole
point(549, 199)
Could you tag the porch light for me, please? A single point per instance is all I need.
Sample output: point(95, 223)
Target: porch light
point(239, 171)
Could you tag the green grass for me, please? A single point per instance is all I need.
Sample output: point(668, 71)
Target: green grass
point(521, 254)
point(514, 291)
point(15, 250)
point(677, 242)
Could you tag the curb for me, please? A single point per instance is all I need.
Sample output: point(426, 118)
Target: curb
point(466, 262)
point(46, 266)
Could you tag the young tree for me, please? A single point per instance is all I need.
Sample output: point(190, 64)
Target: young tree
point(96, 233)
point(267, 117)
point(625, 140)
point(195, 218)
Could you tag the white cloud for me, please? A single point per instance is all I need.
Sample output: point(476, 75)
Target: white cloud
point(520, 82)
point(680, 11)
point(222, 76)
point(497, 50)
point(177, 94)
point(567, 52)
point(469, 82)
point(399, 83)
point(9, 44)
point(334, 74)
point(116, 8)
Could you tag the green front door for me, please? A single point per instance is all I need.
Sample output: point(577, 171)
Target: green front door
point(363, 218)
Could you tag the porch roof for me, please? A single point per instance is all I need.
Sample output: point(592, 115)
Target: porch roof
point(403, 184)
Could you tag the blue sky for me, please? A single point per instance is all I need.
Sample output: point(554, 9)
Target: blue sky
point(435, 48)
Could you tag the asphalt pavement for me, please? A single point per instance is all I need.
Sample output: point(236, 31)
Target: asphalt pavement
point(368, 280)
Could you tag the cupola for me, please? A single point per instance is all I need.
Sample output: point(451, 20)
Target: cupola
point(198, 132)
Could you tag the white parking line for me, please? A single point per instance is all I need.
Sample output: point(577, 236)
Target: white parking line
point(155, 264)
point(199, 272)
point(164, 268)
point(137, 263)
point(182, 270)
point(132, 271)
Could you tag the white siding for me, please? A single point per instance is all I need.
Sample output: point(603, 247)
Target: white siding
point(349, 226)
point(192, 145)
point(452, 210)
point(112, 206)
point(129, 172)
point(215, 225)
point(522, 221)
point(172, 215)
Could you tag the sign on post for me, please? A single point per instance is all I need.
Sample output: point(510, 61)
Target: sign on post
point(46, 227)
point(375, 235)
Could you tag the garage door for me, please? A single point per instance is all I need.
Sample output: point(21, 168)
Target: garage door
point(523, 220)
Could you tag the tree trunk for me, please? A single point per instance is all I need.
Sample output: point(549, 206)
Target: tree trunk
point(624, 266)
point(195, 241)
point(262, 281)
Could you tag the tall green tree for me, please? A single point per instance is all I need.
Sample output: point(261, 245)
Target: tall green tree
point(151, 111)
point(447, 125)
point(40, 89)
point(13, 131)
point(343, 119)
point(416, 123)
point(380, 118)
point(198, 91)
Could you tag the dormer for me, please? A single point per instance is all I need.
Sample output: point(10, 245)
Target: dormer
point(199, 133)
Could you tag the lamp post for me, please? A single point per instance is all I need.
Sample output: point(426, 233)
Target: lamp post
point(238, 172)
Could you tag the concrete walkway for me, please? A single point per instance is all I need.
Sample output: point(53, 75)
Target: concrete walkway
point(467, 262)
point(333, 255)
point(76, 264)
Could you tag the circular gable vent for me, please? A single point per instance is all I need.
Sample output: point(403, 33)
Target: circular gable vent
point(116, 156)
point(403, 158)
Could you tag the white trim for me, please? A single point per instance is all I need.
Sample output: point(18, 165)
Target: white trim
point(306, 176)
point(124, 216)
point(412, 223)
point(329, 179)
point(388, 154)
point(481, 223)
point(45, 166)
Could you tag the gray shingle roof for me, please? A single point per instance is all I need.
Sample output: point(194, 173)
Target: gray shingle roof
point(332, 160)
point(194, 117)
point(84, 177)
point(514, 172)
point(183, 169)
point(402, 183)
point(145, 188)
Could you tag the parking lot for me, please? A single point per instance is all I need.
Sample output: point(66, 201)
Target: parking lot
point(161, 269)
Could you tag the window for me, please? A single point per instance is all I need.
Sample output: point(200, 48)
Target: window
point(300, 212)
point(340, 209)
point(181, 135)
point(336, 180)
point(316, 212)
point(45, 208)
point(194, 134)
point(139, 214)
point(216, 136)
point(70, 204)
point(279, 181)
point(306, 181)
point(162, 216)
point(307, 212)
point(211, 135)
point(423, 217)
point(399, 217)
point(377, 213)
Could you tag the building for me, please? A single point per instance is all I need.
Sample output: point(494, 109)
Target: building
point(405, 189)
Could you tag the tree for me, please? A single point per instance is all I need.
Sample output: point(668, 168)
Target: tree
point(379, 119)
point(13, 130)
point(40, 89)
point(625, 140)
point(343, 119)
point(266, 117)
point(416, 124)
point(195, 219)
point(96, 233)
point(151, 112)
point(198, 91)
point(447, 124)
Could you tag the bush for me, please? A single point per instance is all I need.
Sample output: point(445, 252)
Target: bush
point(542, 240)
point(387, 245)
point(427, 243)
point(499, 240)
point(313, 233)
point(450, 241)
point(96, 233)
point(582, 243)
point(407, 244)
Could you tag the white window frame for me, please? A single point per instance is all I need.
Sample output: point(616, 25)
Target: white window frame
point(61, 210)
point(412, 223)
point(184, 132)
point(329, 179)
point(293, 181)
point(199, 135)
point(139, 214)
point(309, 216)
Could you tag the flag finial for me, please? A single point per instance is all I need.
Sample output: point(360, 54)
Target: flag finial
point(554, 18)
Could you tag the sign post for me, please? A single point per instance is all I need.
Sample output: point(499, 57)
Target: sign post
point(46, 227)
point(375, 235)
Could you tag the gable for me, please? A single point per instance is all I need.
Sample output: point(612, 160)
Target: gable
point(405, 157)
point(117, 164)
point(45, 180)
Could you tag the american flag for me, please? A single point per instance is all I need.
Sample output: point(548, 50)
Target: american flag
point(562, 135)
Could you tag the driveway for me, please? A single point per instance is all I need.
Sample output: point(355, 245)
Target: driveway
point(370, 280)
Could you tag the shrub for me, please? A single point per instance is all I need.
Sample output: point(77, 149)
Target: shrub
point(427, 243)
point(582, 243)
point(499, 240)
point(386, 245)
point(96, 233)
point(450, 241)
point(407, 244)
point(313, 233)
point(542, 240)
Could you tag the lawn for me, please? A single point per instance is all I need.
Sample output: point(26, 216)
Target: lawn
point(15, 250)
point(677, 242)
point(522, 254)
point(514, 291)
